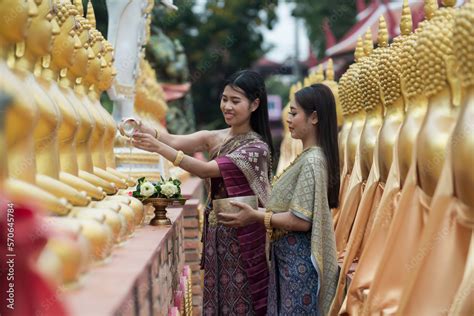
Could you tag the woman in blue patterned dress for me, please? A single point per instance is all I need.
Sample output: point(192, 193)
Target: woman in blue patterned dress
point(304, 270)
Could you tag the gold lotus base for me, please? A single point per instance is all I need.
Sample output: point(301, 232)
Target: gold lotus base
point(160, 205)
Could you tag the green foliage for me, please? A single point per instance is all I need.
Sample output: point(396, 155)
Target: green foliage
point(275, 85)
point(219, 39)
point(340, 14)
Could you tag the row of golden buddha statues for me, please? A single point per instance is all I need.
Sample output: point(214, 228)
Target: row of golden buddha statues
point(59, 140)
point(404, 226)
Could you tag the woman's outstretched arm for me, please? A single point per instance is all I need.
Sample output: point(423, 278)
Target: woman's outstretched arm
point(194, 166)
point(201, 141)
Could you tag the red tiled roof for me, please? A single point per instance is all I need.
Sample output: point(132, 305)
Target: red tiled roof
point(370, 19)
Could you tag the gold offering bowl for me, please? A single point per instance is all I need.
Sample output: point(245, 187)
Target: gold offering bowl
point(224, 206)
point(160, 205)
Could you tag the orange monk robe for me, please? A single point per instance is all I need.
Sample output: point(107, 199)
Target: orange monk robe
point(463, 303)
point(400, 247)
point(373, 247)
point(349, 205)
point(435, 271)
point(345, 176)
point(369, 202)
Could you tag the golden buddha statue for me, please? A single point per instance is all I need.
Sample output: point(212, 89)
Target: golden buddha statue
point(149, 99)
point(318, 75)
point(121, 224)
point(436, 63)
point(96, 172)
point(372, 97)
point(329, 81)
point(290, 147)
point(54, 67)
point(376, 232)
point(63, 57)
point(452, 207)
point(100, 163)
point(351, 182)
point(389, 74)
point(372, 102)
point(463, 50)
point(442, 87)
point(346, 126)
point(22, 116)
point(416, 102)
point(357, 113)
point(64, 255)
point(46, 131)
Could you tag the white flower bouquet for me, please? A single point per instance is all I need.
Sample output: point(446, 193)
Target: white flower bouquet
point(165, 189)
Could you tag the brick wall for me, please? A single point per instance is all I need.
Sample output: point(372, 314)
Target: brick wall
point(192, 189)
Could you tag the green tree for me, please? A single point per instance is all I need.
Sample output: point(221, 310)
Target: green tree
point(219, 38)
point(275, 85)
point(340, 15)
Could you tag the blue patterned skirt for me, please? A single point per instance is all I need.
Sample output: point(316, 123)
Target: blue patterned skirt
point(293, 279)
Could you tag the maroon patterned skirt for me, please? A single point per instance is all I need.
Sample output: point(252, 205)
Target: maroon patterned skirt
point(235, 267)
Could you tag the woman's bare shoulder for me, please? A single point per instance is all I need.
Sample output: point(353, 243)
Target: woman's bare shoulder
point(216, 138)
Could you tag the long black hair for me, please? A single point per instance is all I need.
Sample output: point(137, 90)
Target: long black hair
point(319, 98)
point(253, 85)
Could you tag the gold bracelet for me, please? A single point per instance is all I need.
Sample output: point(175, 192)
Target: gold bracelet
point(157, 135)
point(179, 158)
point(267, 221)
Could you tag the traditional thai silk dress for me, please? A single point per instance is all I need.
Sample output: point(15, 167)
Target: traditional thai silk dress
point(304, 270)
point(234, 260)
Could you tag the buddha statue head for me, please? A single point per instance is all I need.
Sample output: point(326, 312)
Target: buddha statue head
point(343, 96)
point(97, 63)
point(66, 43)
point(351, 95)
point(463, 44)
point(109, 71)
point(15, 17)
point(39, 39)
point(330, 70)
point(307, 81)
point(410, 77)
point(318, 74)
point(369, 75)
point(359, 50)
point(368, 44)
point(82, 56)
point(389, 69)
point(434, 53)
point(96, 50)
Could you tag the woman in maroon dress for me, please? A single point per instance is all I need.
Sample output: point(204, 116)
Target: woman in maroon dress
point(234, 262)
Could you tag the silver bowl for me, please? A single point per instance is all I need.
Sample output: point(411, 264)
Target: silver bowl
point(224, 206)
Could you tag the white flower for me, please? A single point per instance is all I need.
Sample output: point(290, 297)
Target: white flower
point(147, 189)
point(168, 189)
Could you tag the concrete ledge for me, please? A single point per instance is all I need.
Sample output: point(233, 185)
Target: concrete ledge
point(138, 276)
point(142, 275)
